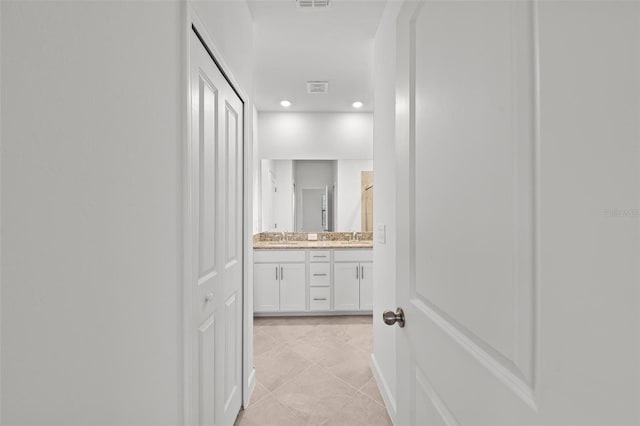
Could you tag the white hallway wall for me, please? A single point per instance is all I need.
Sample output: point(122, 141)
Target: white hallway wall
point(92, 131)
point(315, 136)
point(383, 359)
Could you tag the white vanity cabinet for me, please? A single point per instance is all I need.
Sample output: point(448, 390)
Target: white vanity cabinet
point(353, 284)
point(279, 281)
point(319, 280)
point(312, 281)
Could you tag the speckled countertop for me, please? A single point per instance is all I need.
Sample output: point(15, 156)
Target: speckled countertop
point(299, 240)
point(311, 244)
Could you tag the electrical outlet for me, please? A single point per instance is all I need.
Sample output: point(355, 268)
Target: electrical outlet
point(380, 233)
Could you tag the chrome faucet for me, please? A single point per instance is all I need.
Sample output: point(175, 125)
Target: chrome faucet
point(355, 236)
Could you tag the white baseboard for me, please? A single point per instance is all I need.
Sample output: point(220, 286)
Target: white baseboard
point(383, 387)
point(250, 387)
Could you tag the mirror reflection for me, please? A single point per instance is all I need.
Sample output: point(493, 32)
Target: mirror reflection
point(317, 195)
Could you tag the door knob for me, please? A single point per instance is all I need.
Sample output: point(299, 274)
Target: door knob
point(390, 317)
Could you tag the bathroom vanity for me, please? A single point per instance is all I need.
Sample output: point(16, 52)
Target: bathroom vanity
point(312, 277)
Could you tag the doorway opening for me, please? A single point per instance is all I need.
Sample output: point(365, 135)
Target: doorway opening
point(313, 212)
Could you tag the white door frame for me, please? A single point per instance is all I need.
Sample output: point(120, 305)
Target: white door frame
point(248, 373)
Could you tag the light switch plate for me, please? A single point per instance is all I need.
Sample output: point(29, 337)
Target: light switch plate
point(312, 237)
point(380, 233)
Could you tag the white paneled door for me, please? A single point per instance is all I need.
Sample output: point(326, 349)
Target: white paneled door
point(517, 133)
point(216, 158)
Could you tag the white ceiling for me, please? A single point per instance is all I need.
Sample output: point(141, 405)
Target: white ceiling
point(294, 45)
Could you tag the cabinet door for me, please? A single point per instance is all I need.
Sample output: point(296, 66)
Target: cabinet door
point(366, 286)
point(265, 287)
point(346, 286)
point(293, 287)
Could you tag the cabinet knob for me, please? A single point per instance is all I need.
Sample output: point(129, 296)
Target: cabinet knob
point(209, 297)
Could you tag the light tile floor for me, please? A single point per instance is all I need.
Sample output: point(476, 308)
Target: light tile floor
point(314, 371)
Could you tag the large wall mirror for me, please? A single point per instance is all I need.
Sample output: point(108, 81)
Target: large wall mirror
point(317, 195)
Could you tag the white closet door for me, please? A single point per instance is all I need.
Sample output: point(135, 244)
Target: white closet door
point(216, 158)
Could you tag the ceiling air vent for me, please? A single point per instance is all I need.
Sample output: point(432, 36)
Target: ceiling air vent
point(317, 87)
point(312, 4)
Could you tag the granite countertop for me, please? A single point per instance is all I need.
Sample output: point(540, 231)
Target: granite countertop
point(278, 245)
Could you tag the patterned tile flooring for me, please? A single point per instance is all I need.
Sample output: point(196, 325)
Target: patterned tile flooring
point(314, 371)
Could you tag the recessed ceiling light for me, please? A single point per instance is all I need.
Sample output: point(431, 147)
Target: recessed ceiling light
point(285, 103)
point(357, 104)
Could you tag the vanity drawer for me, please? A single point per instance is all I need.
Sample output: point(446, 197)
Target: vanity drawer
point(319, 298)
point(320, 274)
point(278, 256)
point(353, 255)
point(320, 256)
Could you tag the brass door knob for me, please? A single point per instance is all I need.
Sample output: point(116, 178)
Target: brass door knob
point(390, 317)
